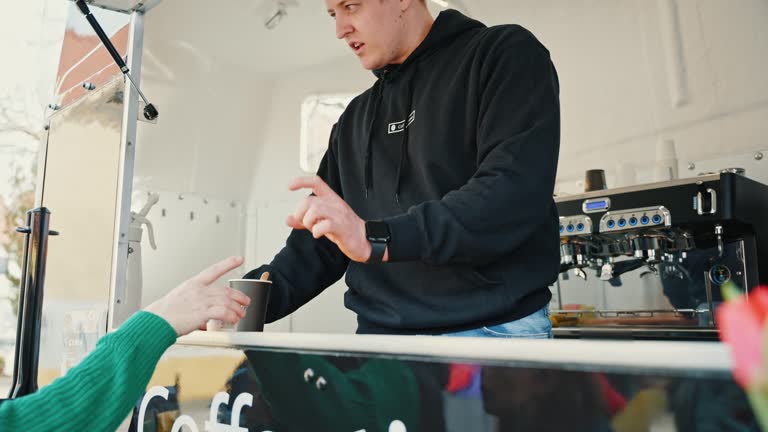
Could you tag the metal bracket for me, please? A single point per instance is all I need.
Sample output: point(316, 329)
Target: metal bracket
point(700, 202)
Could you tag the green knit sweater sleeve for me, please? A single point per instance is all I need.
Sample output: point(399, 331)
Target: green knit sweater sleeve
point(99, 392)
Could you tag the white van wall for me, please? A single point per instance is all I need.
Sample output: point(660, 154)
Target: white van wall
point(208, 136)
point(270, 201)
point(636, 72)
point(199, 156)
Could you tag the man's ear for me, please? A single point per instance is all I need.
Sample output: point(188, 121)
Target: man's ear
point(405, 4)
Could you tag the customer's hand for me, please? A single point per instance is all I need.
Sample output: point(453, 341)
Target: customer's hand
point(190, 305)
point(326, 214)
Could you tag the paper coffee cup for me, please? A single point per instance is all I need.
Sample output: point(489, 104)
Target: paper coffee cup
point(255, 313)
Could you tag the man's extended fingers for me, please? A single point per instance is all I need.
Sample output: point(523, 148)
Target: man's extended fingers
point(322, 228)
point(212, 273)
point(314, 183)
point(313, 216)
point(294, 220)
point(294, 223)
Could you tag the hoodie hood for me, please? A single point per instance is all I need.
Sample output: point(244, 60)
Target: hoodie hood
point(448, 25)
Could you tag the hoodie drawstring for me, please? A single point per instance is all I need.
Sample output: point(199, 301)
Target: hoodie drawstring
point(404, 144)
point(379, 89)
point(447, 26)
point(369, 149)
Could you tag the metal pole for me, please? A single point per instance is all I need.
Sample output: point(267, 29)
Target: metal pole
point(31, 302)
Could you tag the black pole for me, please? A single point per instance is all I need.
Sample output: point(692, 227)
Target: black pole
point(20, 307)
point(31, 293)
point(102, 36)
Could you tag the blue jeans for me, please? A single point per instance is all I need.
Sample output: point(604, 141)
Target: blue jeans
point(535, 326)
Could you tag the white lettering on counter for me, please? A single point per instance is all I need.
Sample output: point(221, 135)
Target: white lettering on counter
point(212, 424)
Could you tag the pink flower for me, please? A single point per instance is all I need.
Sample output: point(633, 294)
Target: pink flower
point(742, 323)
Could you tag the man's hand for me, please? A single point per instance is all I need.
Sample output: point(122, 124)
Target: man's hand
point(326, 214)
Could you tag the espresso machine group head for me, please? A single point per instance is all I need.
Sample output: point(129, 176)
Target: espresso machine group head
point(643, 235)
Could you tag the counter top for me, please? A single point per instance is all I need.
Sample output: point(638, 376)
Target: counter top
point(581, 354)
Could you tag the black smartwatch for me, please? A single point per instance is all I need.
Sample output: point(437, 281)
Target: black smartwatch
point(377, 233)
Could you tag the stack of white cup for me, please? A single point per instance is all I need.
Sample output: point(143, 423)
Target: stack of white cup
point(665, 165)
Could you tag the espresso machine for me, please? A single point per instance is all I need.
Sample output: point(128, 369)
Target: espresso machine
point(649, 261)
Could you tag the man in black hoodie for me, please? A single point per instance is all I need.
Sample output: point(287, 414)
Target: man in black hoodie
point(435, 193)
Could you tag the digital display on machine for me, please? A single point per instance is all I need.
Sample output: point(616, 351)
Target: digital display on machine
point(596, 205)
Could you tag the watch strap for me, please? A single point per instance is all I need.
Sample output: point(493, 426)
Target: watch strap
point(377, 252)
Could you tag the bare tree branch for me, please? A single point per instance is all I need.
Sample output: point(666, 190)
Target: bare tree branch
point(16, 117)
point(23, 130)
point(17, 121)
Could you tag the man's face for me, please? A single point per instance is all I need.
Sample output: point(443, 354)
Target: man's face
point(372, 29)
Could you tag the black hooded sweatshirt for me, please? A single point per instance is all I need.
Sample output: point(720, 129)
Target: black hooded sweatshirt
point(456, 149)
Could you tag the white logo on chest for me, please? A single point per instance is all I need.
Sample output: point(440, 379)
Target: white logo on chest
point(400, 126)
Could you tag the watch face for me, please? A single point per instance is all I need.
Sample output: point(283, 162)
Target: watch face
point(377, 231)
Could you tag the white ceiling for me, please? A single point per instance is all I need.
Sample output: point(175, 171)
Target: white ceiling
point(201, 33)
point(124, 5)
point(198, 33)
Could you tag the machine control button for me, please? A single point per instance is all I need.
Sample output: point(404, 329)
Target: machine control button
point(634, 219)
point(719, 274)
point(575, 226)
